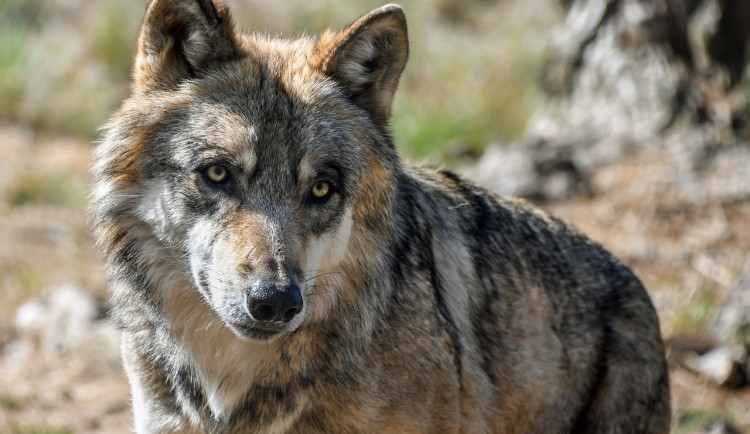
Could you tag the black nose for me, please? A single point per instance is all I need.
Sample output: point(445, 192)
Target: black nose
point(270, 302)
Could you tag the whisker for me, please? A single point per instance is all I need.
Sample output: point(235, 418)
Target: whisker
point(323, 274)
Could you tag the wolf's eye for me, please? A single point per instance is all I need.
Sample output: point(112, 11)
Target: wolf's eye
point(321, 189)
point(216, 174)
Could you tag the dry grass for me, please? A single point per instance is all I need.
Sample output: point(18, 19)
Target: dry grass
point(44, 242)
point(44, 239)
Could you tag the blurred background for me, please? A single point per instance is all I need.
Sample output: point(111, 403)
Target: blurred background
point(627, 118)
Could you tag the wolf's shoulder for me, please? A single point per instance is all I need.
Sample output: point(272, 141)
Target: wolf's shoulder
point(510, 232)
point(447, 188)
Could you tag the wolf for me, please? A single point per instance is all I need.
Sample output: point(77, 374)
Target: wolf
point(275, 267)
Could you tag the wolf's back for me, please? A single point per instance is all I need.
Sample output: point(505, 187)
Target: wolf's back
point(562, 329)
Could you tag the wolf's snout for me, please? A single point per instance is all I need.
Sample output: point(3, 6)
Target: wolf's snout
point(270, 302)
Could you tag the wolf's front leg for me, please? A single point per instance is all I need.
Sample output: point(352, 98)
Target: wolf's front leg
point(154, 407)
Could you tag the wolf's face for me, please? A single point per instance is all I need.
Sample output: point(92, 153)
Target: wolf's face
point(249, 155)
point(256, 186)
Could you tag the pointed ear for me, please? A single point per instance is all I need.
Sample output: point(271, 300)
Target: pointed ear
point(367, 58)
point(179, 39)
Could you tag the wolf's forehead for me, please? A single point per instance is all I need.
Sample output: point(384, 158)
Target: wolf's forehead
point(209, 132)
point(249, 135)
point(250, 112)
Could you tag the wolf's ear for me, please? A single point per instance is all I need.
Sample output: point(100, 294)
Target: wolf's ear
point(367, 58)
point(179, 39)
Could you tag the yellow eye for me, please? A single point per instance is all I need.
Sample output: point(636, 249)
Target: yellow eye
point(217, 174)
point(321, 189)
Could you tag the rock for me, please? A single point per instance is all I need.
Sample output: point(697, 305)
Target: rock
point(718, 426)
point(724, 365)
point(59, 321)
point(533, 169)
point(65, 320)
point(507, 169)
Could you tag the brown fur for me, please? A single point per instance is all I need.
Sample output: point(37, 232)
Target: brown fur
point(429, 304)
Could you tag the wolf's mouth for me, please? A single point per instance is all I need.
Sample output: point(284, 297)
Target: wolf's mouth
point(256, 332)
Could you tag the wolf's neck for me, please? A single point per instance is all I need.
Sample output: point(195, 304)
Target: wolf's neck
point(225, 365)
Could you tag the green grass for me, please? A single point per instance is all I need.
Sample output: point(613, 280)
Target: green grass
point(49, 189)
point(13, 62)
point(63, 71)
point(112, 38)
point(39, 429)
point(692, 316)
point(8, 401)
point(696, 420)
point(470, 80)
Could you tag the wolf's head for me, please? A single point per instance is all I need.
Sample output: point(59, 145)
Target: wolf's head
point(249, 161)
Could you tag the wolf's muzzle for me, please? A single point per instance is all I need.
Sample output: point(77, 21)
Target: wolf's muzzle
point(269, 302)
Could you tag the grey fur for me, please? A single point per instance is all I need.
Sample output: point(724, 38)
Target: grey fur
point(430, 305)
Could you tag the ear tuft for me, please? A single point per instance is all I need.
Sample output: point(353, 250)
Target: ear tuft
point(180, 38)
point(367, 58)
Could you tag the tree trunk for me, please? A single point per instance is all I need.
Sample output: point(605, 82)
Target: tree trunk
point(635, 76)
